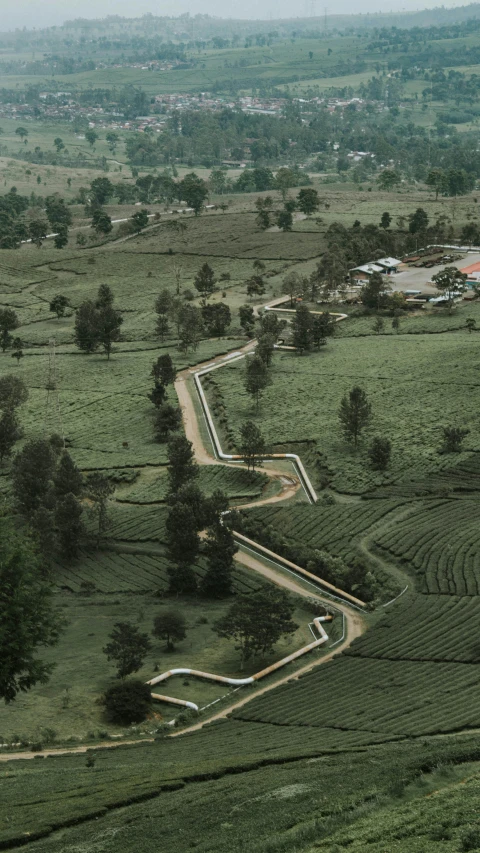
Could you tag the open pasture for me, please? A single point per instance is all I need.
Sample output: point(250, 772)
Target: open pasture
point(303, 401)
point(68, 703)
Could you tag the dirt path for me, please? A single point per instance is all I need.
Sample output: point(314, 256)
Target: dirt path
point(290, 483)
point(15, 756)
point(354, 623)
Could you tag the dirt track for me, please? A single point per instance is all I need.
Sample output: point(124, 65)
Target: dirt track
point(354, 623)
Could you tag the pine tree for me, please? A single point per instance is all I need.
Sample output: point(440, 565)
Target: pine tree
point(219, 550)
point(10, 432)
point(183, 541)
point(67, 478)
point(252, 444)
point(257, 378)
point(354, 413)
point(68, 513)
point(182, 466)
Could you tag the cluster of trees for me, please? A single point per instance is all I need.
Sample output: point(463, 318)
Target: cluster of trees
point(97, 323)
point(13, 393)
point(44, 215)
point(49, 492)
point(168, 418)
point(190, 512)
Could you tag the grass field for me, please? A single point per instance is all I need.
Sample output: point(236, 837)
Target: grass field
point(406, 408)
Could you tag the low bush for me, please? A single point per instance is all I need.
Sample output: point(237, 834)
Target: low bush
point(128, 702)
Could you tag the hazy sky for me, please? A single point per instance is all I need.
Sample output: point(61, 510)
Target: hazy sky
point(35, 13)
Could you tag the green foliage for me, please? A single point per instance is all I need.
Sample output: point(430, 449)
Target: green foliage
point(128, 702)
point(171, 627)
point(219, 549)
point(379, 453)
point(27, 618)
point(257, 378)
point(256, 622)
point(354, 414)
point(127, 647)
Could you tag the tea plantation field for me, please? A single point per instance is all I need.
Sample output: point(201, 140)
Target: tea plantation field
point(415, 383)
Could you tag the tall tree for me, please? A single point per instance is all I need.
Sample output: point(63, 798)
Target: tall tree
point(194, 191)
point(355, 413)
point(450, 282)
point(8, 322)
point(374, 294)
point(67, 479)
point(191, 328)
point(86, 327)
point(219, 549)
point(257, 378)
point(128, 647)
point(105, 297)
point(163, 370)
point(308, 201)
point(181, 462)
point(13, 391)
point(32, 474)
point(265, 347)
point(58, 305)
point(98, 489)
point(205, 280)
point(10, 433)
point(216, 318)
point(302, 325)
point(28, 620)
point(69, 525)
point(108, 323)
point(252, 444)
point(171, 627)
point(257, 621)
point(168, 419)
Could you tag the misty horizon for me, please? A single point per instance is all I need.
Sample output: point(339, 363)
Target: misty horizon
point(29, 15)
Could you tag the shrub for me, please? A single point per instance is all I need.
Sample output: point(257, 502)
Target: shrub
point(470, 840)
point(128, 702)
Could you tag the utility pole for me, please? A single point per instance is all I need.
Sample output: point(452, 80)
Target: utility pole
point(53, 415)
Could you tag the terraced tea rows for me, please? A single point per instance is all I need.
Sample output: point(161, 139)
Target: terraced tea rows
point(335, 528)
point(398, 698)
point(424, 627)
point(441, 541)
point(131, 571)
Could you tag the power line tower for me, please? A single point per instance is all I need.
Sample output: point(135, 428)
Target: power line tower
point(53, 414)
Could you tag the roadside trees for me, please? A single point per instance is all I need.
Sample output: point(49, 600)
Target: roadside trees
point(168, 419)
point(219, 549)
point(450, 282)
point(302, 325)
point(252, 444)
point(194, 191)
point(257, 378)
point(182, 467)
point(354, 414)
point(216, 318)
